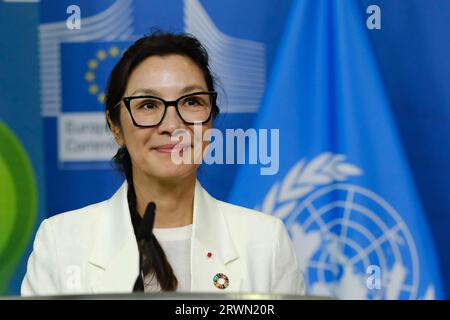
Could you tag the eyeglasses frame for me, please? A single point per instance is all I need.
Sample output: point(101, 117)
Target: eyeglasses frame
point(126, 101)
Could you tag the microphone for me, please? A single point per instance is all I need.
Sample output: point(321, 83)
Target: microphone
point(144, 234)
point(145, 230)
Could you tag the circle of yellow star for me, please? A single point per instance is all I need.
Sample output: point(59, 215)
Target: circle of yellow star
point(92, 64)
point(101, 98)
point(114, 51)
point(89, 76)
point(93, 89)
point(101, 55)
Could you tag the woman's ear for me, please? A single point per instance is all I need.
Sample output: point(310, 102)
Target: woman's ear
point(115, 129)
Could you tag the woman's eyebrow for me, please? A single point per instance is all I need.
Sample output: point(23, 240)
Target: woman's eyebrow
point(156, 93)
point(192, 88)
point(145, 91)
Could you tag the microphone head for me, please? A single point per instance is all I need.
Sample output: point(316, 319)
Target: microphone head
point(145, 230)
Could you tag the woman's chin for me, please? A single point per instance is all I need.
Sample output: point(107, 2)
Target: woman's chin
point(170, 170)
point(173, 173)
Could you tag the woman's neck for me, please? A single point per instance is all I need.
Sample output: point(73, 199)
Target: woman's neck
point(174, 200)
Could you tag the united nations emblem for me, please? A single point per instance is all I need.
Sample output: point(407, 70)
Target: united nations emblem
point(341, 231)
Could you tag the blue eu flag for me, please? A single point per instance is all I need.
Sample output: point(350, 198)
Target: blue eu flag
point(343, 187)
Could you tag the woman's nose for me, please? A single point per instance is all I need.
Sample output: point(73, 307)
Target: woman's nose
point(171, 121)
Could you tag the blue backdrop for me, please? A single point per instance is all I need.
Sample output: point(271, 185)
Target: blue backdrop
point(380, 98)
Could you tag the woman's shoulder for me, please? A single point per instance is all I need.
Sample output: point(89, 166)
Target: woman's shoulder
point(252, 228)
point(248, 217)
point(77, 218)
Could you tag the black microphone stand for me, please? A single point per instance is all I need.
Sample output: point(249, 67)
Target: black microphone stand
point(144, 234)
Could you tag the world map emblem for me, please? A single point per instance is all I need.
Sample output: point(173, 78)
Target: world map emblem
point(343, 232)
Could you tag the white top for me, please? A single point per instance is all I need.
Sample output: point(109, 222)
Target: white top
point(176, 243)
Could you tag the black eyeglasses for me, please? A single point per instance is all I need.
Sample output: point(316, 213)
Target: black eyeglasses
point(149, 111)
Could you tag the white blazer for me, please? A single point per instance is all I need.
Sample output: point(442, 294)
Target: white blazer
point(94, 250)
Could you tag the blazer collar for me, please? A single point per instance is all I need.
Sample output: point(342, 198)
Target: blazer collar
point(211, 234)
point(210, 227)
point(115, 255)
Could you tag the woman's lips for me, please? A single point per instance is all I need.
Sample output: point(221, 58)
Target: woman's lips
point(169, 148)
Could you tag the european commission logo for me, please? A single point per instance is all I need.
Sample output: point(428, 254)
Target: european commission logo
point(343, 231)
point(82, 132)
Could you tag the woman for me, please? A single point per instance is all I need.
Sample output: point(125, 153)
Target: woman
point(161, 85)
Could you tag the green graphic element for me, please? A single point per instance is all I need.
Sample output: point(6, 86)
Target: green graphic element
point(18, 203)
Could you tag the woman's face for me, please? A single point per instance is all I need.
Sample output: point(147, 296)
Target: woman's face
point(167, 77)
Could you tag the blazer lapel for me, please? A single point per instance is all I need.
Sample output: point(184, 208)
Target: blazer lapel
point(114, 259)
point(211, 235)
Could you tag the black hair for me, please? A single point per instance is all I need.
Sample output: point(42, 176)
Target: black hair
point(158, 43)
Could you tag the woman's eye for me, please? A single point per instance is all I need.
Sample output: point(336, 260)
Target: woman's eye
point(147, 105)
point(191, 102)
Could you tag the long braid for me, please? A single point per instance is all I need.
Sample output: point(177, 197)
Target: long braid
point(154, 260)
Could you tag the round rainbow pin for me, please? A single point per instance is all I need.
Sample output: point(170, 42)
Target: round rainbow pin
point(221, 281)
